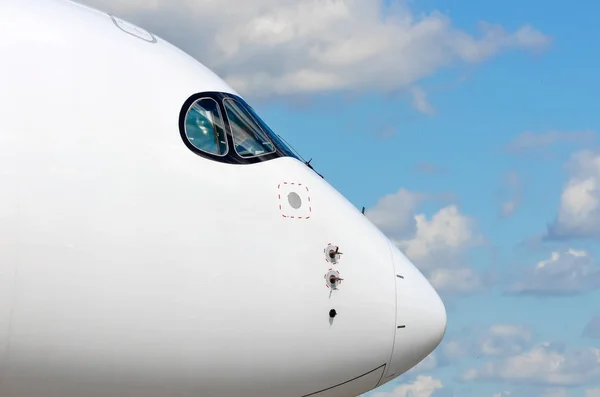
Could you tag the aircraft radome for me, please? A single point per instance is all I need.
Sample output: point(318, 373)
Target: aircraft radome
point(158, 239)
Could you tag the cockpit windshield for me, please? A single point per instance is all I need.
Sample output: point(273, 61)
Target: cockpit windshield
point(214, 123)
point(279, 142)
point(249, 139)
point(204, 127)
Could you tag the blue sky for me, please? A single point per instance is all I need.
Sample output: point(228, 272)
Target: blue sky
point(479, 111)
point(473, 146)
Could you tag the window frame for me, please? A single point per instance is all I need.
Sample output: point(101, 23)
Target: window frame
point(231, 156)
point(215, 128)
point(256, 123)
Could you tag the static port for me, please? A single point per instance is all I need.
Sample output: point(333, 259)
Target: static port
point(333, 279)
point(332, 253)
point(332, 313)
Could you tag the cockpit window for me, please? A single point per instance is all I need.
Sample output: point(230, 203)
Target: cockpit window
point(223, 127)
point(274, 137)
point(204, 127)
point(249, 139)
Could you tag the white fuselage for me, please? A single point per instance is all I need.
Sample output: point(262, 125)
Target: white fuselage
point(130, 266)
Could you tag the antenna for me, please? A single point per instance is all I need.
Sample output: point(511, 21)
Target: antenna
point(299, 155)
point(293, 149)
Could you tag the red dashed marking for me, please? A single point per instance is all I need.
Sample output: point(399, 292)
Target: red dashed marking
point(281, 208)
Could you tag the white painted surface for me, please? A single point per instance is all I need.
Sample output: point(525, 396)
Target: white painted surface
point(130, 266)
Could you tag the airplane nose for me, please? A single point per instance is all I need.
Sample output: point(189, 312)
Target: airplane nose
point(420, 317)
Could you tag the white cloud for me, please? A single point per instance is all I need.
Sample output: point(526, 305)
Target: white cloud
point(427, 364)
point(565, 273)
point(592, 392)
point(441, 238)
point(592, 329)
point(283, 47)
point(453, 350)
point(463, 279)
point(394, 213)
point(422, 386)
point(499, 340)
point(509, 205)
point(435, 245)
point(531, 140)
point(579, 208)
point(545, 364)
point(420, 101)
point(448, 230)
point(508, 208)
point(556, 392)
point(533, 391)
point(430, 168)
point(504, 339)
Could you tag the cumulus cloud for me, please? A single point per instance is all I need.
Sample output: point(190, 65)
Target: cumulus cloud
point(569, 272)
point(394, 213)
point(386, 132)
point(420, 101)
point(435, 244)
point(579, 207)
point(592, 329)
point(430, 168)
point(463, 279)
point(546, 364)
point(592, 392)
point(286, 47)
point(504, 339)
point(528, 140)
point(534, 391)
point(499, 340)
point(512, 185)
point(428, 364)
point(441, 238)
point(508, 208)
point(495, 341)
point(422, 386)
point(556, 392)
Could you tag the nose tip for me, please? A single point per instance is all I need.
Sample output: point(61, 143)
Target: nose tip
point(420, 317)
point(430, 318)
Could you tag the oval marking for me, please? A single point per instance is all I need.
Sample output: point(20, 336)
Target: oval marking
point(133, 30)
point(294, 200)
